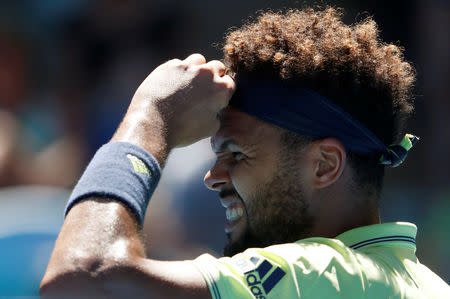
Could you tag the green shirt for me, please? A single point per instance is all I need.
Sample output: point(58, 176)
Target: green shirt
point(375, 261)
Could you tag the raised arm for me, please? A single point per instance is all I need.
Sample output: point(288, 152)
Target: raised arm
point(99, 251)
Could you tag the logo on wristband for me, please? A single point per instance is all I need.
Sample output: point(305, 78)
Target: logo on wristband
point(138, 165)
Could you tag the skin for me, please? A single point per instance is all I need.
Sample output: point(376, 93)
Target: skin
point(99, 251)
point(256, 172)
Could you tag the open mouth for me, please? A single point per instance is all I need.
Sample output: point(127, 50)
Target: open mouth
point(235, 210)
point(234, 214)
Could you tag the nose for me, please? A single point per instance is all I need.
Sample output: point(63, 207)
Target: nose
point(217, 177)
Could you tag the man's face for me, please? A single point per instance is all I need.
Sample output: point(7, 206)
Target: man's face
point(260, 184)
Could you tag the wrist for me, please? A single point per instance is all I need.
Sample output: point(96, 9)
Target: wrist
point(147, 132)
point(119, 171)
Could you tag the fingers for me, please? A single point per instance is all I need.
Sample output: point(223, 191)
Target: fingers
point(196, 59)
point(219, 70)
point(229, 82)
point(216, 66)
point(213, 67)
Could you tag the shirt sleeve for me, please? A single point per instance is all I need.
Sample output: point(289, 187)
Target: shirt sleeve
point(245, 275)
point(300, 270)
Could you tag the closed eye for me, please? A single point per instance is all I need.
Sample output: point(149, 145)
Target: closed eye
point(238, 156)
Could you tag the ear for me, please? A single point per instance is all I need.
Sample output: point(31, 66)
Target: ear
point(330, 158)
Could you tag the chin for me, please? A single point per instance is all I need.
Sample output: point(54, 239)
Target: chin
point(238, 245)
point(232, 248)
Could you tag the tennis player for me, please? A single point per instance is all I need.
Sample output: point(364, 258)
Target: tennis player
point(302, 133)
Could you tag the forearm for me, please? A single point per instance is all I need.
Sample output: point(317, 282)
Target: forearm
point(149, 133)
point(101, 237)
point(99, 250)
point(99, 253)
point(97, 235)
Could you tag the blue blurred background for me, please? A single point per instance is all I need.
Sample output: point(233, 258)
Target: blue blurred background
point(69, 68)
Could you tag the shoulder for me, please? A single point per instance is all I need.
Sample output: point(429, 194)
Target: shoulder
point(289, 270)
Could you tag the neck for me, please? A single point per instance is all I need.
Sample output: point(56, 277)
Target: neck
point(339, 211)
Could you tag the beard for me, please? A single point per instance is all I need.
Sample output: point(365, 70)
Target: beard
point(277, 213)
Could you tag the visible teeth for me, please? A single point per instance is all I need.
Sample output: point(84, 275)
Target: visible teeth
point(234, 214)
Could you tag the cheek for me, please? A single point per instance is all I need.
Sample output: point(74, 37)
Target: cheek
point(247, 182)
point(249, 175)
point(242, 180)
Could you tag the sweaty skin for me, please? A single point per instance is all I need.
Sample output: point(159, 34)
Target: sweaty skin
point(285, 194)
point(253, 172)
point(99, 251)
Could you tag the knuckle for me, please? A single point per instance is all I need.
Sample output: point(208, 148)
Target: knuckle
point(206, 70)
point(199, 56)
point(195, 58)
point(174, 61)
point(218, 64)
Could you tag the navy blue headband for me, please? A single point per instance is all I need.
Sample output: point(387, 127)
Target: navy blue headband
point(307, 113)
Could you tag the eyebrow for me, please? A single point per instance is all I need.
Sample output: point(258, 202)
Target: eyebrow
point(222, 146)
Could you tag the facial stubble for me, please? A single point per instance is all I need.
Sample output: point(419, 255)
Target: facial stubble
point(277, 212)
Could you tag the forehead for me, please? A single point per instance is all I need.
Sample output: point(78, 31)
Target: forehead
point(243, 129)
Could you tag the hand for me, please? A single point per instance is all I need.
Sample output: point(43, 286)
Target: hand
point(180, 99)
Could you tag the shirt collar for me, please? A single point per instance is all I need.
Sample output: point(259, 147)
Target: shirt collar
point(393, 234)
